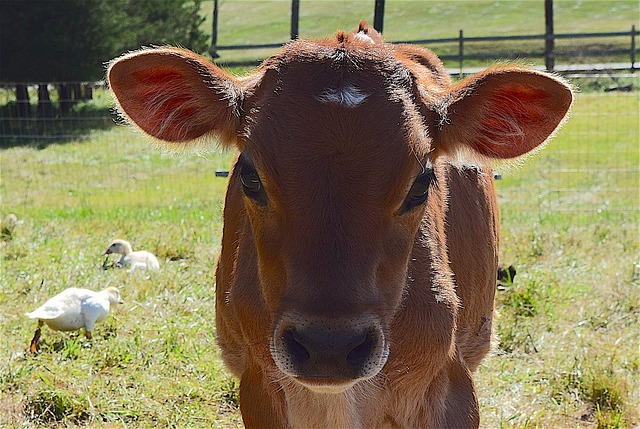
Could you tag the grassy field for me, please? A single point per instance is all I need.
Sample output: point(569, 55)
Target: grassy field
point(567, 354)
point(268, 21)
point(154, 364)
point(264, 21)
point(568, 345)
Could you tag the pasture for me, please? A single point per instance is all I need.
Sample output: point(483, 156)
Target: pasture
point(269, 22)
point(567, 348)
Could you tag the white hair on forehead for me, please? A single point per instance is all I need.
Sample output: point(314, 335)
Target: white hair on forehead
point(363, 37)
point(348, 96)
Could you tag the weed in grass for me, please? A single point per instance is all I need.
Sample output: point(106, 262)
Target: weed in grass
point(119, 415)
point(606, 389)
point(514, 336)
point(14, 374)
point(173, 340)
point(566, 384)
point(12, 253)
point(49, 406)
point(609, 419)
point(109, 328)
point(600, 384)
point(537, 248)
point(173, 251)
point(119, 356)
point(72, 348)
point(230, 390)
point(523, 300)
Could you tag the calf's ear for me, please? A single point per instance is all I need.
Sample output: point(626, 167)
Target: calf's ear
point(176, 96)
point(501, 114)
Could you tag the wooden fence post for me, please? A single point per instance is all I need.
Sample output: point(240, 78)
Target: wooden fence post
point(214, 31)
point(633, 47)
point(461, 54)
point(295, 18)
point(378, 16)
point(549, 58)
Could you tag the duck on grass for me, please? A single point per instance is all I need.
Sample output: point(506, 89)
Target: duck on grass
point(133, 261)
point(74, 309)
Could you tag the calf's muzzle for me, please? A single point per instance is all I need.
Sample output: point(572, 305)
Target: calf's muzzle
point(329, 351)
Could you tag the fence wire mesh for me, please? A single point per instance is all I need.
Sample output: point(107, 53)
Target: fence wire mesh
point(589, 172)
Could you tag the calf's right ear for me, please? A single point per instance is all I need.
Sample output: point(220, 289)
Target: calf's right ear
point(176, 96)
point(502, 114)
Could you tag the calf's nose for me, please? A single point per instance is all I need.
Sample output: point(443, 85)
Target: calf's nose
point(329, 352)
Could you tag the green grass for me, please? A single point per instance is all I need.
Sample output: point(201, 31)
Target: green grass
point(567, 331)
point(154, 363)
point(567, 348)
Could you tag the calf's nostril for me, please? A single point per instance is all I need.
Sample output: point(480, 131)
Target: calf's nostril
point(297, 351)
point(362, 351)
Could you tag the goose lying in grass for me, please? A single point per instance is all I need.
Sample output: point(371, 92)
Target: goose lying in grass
point(73, 309)
point(139, 260)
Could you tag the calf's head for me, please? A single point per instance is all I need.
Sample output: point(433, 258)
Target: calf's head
point(341, 144)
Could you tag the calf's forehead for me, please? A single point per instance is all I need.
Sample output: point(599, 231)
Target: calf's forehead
point(349, 109)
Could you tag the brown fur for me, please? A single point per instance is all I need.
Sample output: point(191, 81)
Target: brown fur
point(338, 130)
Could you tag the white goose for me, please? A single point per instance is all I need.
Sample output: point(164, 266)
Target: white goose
point(139, 260)
point(73, 309)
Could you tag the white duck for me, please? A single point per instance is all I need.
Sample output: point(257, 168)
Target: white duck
point(74, 308)
point(139, 260)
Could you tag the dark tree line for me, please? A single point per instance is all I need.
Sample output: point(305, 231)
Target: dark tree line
point(50, 42)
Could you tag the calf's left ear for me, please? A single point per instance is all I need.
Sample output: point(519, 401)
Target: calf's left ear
point(501, 114)
point(176, 96)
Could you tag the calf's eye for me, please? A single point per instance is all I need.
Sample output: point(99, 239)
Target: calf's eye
point(419, 191)
point(251, 183)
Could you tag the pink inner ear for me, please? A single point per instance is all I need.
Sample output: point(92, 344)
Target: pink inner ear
point(166, 107)
point(156, 76)
point(176, 96)
point(514, 122)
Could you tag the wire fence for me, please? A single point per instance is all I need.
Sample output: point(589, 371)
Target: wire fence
point(41, 113)
point(590, 168)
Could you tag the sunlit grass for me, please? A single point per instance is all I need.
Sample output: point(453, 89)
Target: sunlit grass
point(154, 362)
point(567, 327)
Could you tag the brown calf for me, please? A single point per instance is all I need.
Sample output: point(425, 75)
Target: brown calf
point(356, 281)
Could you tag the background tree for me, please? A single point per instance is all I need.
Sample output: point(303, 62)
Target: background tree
point(162, 22)
point(58, 41)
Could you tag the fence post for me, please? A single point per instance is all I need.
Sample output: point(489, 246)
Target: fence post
point(633, 47)
point(214, 31)
point(461, 54)
point(549, 42)
point(378, 16)
point(295, 15)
